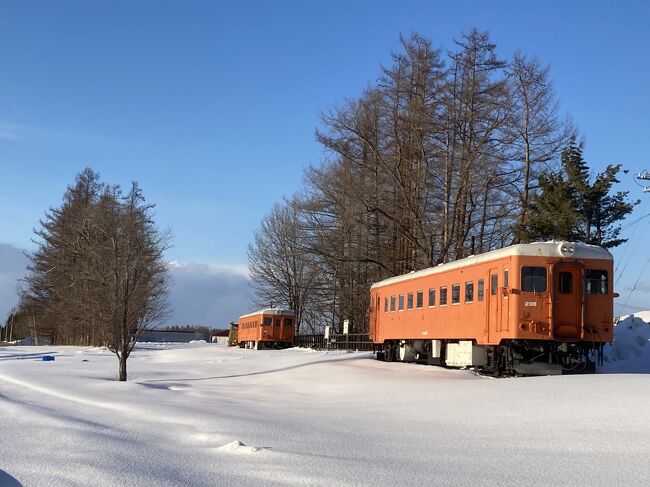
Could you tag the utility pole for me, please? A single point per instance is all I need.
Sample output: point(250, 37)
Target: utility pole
point(644, 176)
point(11, 330)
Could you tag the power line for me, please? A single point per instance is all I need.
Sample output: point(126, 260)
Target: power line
point(637, 281)
point(631, 224)
point(629, 306)
point(635, 246)
point(643, 175)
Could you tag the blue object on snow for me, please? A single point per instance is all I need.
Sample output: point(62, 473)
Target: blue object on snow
point(48, 358)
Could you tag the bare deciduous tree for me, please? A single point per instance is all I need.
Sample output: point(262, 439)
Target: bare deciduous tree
point(98, 275)
point(281, 271)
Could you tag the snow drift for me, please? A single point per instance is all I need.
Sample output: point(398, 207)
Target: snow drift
point(630, 351)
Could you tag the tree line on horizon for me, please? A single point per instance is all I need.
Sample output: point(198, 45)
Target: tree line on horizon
point(446, 154)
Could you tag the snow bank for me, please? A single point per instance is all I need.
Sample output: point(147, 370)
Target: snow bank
point(630, 351)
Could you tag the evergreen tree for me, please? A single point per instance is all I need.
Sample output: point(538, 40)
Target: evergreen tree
point(570, 207)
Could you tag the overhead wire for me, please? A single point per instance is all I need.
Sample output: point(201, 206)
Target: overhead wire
point(621, 261)
point(634, 247)
point(630, 306)
point(637, 281)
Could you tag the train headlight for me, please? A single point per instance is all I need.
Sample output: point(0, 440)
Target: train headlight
point(566, 249)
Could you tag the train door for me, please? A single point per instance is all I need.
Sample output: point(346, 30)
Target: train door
point(567, 301)
point(505, 302)
point(374, 316)
point(494, 305)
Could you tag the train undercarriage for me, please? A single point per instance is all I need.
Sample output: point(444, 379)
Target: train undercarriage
point(264, 344)
point(510, 357)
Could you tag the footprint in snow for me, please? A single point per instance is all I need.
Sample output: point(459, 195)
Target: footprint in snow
point(237, 447)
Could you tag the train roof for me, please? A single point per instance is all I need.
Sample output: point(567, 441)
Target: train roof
point(576, 250)
point(269, 311)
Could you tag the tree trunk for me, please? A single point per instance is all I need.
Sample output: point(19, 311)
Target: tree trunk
point(122, 371)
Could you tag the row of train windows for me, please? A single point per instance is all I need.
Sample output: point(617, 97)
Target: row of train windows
point(442, 299)
point(269, 321)
point(533, 279)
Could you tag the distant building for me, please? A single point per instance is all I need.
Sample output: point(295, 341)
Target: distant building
point(221, 337)
point(164, 336)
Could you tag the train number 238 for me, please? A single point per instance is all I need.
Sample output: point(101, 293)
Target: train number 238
point(530, 303)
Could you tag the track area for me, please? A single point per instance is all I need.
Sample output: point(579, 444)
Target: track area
point(209, 415)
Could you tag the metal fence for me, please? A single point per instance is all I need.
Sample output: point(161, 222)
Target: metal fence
point(310, 341)
point(359, 342)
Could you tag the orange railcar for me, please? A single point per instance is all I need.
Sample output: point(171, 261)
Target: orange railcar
point(266, 328)
point(539, 308)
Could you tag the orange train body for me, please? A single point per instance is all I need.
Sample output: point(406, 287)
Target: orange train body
point(266, 328)
point(529, 308)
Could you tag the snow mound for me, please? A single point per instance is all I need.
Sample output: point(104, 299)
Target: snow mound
point(237, 447)
point(644, 315)
point(630, 351)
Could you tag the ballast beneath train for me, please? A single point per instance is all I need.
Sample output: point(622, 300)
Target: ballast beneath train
point(538, 308)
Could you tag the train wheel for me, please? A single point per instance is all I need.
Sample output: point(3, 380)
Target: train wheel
point(405, 352)
point(389, 352)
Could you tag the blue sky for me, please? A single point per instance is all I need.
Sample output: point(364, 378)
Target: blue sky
point(212, 106)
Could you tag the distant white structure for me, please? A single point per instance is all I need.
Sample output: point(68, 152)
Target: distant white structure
point(221, 337)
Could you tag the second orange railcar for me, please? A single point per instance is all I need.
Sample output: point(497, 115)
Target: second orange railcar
point(266, 328)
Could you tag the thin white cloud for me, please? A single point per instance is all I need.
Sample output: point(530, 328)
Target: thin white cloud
point(20, 132)
point(12, 131)
point(7, 135)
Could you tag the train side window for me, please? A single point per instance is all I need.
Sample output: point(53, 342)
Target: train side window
point(596, 281)
point(409, 301)
point(533, 279)
point(455, 294)
point(481, 289)
point(419, 300)
point(566, 282)
point(400, 303)
point(494, 284)
point(469, 292)
point(432, 297)
point(392, 303)
point(443, 296)
point(268, 321)
point(288, 322)
point(385, 305)
point(505, 278)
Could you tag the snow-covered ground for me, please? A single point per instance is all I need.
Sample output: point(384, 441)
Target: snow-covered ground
point(208, 415)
